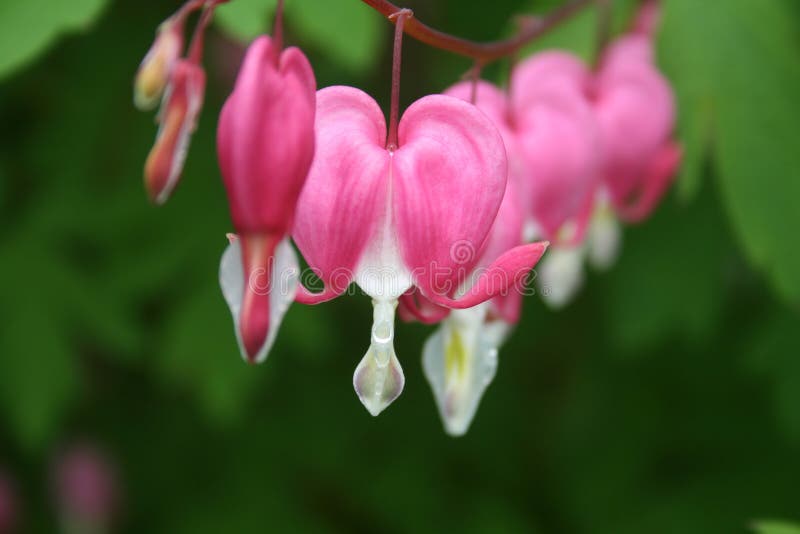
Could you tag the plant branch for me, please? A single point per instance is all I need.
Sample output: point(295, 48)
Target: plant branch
point(482, 53)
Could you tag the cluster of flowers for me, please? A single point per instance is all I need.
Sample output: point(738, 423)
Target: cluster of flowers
point(435, 217)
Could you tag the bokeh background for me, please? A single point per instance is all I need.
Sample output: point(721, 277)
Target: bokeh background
point(666, 399)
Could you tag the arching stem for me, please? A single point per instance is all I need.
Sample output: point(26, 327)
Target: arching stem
point(483, 52)
point(196, 47)
point(399, 19)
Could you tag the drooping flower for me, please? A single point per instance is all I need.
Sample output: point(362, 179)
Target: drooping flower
point(183, 100)
point(553, 118)
point(460, 357)
point(635, 107)
point(265, 144)
point(393, 218)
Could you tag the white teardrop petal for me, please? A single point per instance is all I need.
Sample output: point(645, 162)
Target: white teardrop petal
point(378, 379)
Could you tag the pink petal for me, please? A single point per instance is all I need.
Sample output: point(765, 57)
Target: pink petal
point(415, 307)
point(636, 111)
point(178, 116)
point(506, 273)
point(346, 193)
point(558, 137)
point(658, 177)
point(449, 179)
point(265, 139)
point(489, 98)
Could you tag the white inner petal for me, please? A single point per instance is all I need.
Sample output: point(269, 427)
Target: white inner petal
point(460, 361)
point(378, 379)
point(283, 288)
point(605, 237)
point(560, 275)
point(381, 272)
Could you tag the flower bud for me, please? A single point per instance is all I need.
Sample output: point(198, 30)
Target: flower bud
point(154, 72)
point(180, 108)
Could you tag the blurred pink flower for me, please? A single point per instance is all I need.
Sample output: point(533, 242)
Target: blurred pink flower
point(86, 488)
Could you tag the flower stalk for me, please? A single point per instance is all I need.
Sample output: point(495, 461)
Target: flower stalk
point(482, 52)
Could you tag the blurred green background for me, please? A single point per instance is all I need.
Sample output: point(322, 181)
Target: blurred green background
point(666, 399)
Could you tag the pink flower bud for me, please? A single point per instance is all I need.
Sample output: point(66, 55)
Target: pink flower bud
point(180, 109)
point(85, 487)
point(154, 72)
point(265, 144)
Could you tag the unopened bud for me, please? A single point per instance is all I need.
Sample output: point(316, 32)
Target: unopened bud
point(178, 118)
point(154, 72)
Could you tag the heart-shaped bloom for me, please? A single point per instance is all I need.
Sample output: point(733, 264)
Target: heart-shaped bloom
point(460, 357)
point(415, 215)
point(265, 144)
point(551, 113)
point(635, 107)
point(180, 108)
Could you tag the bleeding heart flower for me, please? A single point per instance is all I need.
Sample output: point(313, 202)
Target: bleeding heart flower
point(635, 107)
point(180, 108)
point(460, 357)
point(393, 218)
point(550, 110)
point(265, 144)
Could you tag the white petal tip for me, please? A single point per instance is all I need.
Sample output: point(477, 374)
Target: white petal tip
point(377, 386)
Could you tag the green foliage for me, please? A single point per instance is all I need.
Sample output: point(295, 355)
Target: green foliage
point(775, 527)
point(28, 27)
point(737, 77)
point(348, 32)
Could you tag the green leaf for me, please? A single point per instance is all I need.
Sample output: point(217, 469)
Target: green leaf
point(775, 527)
point(200, 356)
point(349, 32)
point(772, 353)
point(28, 27)
point(737, 77)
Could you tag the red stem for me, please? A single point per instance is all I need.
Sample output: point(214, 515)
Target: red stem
point(399, 18)
point(277, 30)
point(482, 52)
point(196, 47)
